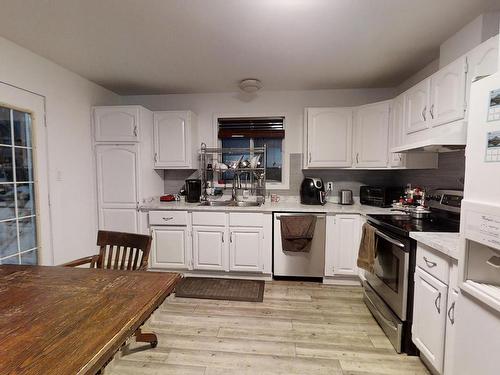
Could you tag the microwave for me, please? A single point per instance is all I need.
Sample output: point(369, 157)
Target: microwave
point(380, 196)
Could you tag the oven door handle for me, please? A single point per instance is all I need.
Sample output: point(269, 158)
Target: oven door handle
point(390, 239)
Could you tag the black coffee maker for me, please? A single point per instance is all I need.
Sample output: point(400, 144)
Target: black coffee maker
point(193, 190)
point(312, 191)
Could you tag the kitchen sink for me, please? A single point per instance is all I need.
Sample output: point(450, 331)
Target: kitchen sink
point(229, 204)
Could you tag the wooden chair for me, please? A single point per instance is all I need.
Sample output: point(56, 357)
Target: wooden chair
point(121, 251)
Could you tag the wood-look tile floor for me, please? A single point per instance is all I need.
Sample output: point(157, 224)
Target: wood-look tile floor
point(300, 328)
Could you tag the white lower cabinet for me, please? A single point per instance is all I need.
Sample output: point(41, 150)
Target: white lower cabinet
point(245, 249)
point(209, 248)
point(171, 247)
point(342, 244)
point(449, 353)
point(211, 241)
point(429, 317)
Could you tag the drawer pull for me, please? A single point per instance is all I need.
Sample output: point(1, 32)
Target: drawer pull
point(168, 218)
point(429, 263)
point(494, 261)
point(437, 303)
point(451, 311)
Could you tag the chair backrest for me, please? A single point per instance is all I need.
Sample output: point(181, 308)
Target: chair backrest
point(123, 251)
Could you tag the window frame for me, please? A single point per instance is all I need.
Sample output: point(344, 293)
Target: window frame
point(285, 155)
point(30, 102)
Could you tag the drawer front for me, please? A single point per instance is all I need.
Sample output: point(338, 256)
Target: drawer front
point(433, 262)
point(243, 219)
point(168, 217)
point(209, 218)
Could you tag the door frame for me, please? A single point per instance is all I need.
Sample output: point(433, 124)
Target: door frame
point(35, 104)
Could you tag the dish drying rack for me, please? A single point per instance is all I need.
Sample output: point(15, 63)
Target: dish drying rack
point(211, 171)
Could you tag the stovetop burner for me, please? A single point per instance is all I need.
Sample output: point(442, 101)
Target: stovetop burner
point(444, 217)
point(404, 224)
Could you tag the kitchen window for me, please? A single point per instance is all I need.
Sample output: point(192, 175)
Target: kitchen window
point(249, 132)
point(18, 239)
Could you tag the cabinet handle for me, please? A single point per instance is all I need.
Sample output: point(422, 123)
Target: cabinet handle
point(231, 237)
point(357, 157)
point(431, 110)
point(429, 263)
point(423, 113)
point(135, 131)
point(451, 311)
point(222, 236)
point(167, 218)
point(437, 303)
point(309, 157)
point(156, 157)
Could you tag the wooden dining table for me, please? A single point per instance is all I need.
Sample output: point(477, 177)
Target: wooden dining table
point(59, 320)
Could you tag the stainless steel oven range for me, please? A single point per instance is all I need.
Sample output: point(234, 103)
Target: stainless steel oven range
point(388, 290)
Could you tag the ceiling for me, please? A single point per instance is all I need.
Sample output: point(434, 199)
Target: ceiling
point(187, 46)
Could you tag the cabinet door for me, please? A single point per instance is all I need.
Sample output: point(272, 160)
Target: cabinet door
point(447, 100)
point(371, 133)
point(417, 106)
point(342, 244)
point(429, 317)
point(482, 61)
point(171, 139)
point(116, 124)
point(329, 137)
point(396, 132)
point(170, 248)
point(119, 219)
point(209, 248)
point(449, 354)
point(117, 187)
point(245, 250)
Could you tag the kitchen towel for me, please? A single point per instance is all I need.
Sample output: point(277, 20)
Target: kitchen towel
point(297, 232)
point(367, 248)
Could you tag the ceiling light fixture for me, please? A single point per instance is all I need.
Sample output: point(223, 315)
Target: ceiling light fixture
point(250, 85)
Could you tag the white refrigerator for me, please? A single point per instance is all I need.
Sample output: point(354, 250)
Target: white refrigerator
point(477, 312)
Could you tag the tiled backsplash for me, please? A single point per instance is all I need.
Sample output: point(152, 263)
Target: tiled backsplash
point(450, 174)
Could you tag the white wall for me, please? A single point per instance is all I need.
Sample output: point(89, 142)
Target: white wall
point(291, 104)
point(68, 98)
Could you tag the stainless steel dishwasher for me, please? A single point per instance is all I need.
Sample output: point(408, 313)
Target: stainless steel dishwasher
point(299, 264)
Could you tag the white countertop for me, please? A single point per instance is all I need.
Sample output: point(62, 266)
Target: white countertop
point(287, 204)
point(446, 243)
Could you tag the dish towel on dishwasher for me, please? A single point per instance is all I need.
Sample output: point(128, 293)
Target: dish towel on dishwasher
point(367, 248)
point(297, 232)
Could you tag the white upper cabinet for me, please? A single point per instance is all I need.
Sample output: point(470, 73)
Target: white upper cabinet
point(416, 104)
point(447, 97)
point(329, 137)
point(482, 61)
point(371, 130)
point(396, 132)
point(117, 124)
point(175, 140)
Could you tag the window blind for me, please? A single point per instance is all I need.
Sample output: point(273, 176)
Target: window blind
point(251, 127)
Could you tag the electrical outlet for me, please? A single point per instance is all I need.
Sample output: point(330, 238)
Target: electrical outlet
point(329, 185)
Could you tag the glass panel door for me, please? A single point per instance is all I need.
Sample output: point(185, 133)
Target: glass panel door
point(18, 240)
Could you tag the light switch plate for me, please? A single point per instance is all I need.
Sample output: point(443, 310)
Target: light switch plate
point(329, 185)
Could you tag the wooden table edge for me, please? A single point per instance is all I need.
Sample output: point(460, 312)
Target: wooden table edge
point(105, 354)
